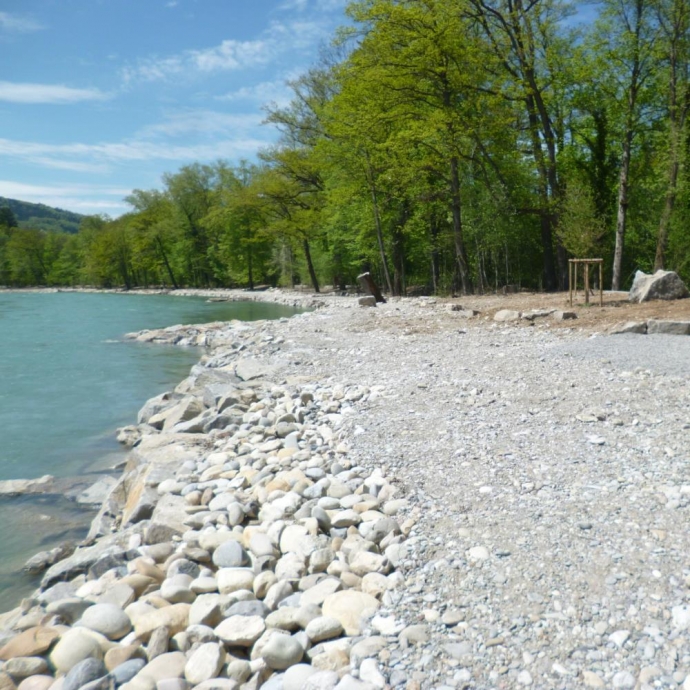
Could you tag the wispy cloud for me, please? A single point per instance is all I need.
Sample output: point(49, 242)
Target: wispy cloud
point(14, 92)
point(81, 198)
point(313, 5)
point(18, 23)
point(276, 91)
point(201, 123)
point(279, 39)
point(128, 151)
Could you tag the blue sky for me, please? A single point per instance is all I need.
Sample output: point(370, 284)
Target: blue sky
point(99, 97)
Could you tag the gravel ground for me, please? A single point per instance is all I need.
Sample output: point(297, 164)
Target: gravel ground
point(550, 471)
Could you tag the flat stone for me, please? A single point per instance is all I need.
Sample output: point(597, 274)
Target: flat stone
point(637, 327)
point(170, 665)
point(655, 327)
point(323, 628)
point(505, 315)
point(206, 610)
point(319, 592)
point(248, 369)
point(31, 642)
point(25, 666)
point(560, 315)
point(205, 663)
point(364, 562)
point(241, 631)
point(174, 617)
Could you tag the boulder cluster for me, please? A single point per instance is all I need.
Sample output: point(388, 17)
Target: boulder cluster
point(241, 548)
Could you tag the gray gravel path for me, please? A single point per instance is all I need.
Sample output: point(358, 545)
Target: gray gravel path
point(550, 472)
point(662, 354)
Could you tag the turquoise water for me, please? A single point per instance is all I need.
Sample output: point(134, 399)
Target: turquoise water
point(67, 380)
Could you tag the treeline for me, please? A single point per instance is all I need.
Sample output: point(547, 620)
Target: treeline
point(455, 145)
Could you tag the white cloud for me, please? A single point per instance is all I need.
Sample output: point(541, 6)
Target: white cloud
point(128, 151)
point(13, 92)
point(81, 198)
point(279, 39)
point(276, 91)
point(313, 5)
point(204, 123)
point(14, 22)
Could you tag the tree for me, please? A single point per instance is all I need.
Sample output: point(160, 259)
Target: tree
point(674, 23)
point(533, 50)
point(7, 217)
point(625, 42)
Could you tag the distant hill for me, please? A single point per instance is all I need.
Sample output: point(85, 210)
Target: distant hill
point(42, 217)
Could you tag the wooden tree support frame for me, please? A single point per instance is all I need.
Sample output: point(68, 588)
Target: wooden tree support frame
point(573, 269)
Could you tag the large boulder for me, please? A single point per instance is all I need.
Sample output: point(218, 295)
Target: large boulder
point(660, 285)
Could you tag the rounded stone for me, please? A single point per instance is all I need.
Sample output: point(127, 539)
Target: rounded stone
point(230, 555)
point(82, 673)
point(126, 671)
point(323, 628)
point(119, 655)
point(74, 646)
point(233, 579)
point(36, 683)
point(296, 676)
point(281, 652)
point(349, 607)
point(107, 619)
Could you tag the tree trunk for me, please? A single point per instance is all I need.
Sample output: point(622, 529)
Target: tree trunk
point(460, 251)
point(168, 267)
point(379, 231)
point(665, 222)
point(250, 267)
point(434, 256)
point(622, 214)
point(310, 266)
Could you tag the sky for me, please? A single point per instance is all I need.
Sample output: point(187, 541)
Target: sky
point(99, 97)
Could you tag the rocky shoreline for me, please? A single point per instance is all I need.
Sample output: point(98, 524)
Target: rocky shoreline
point(241, 547)
point(494, 504)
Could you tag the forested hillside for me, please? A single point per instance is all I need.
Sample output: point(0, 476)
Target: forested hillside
point(42, 217)
point(456, 145)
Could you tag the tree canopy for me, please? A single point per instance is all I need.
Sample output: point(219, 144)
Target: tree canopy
point(443, 145)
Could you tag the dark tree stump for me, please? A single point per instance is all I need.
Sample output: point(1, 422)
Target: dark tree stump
point(370, 287)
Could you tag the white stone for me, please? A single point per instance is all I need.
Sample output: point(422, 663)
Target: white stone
point(205, 663)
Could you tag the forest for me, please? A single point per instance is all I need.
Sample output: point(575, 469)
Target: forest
point(449, 146)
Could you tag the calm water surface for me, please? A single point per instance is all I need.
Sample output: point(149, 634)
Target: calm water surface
point(67, 380)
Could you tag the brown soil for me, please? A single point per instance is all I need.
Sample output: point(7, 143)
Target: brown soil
point(616, 308)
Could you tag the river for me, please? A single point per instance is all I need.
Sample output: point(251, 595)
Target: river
point(67, 380)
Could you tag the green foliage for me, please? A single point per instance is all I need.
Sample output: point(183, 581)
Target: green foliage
point(580, 228)
point(443, 145)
